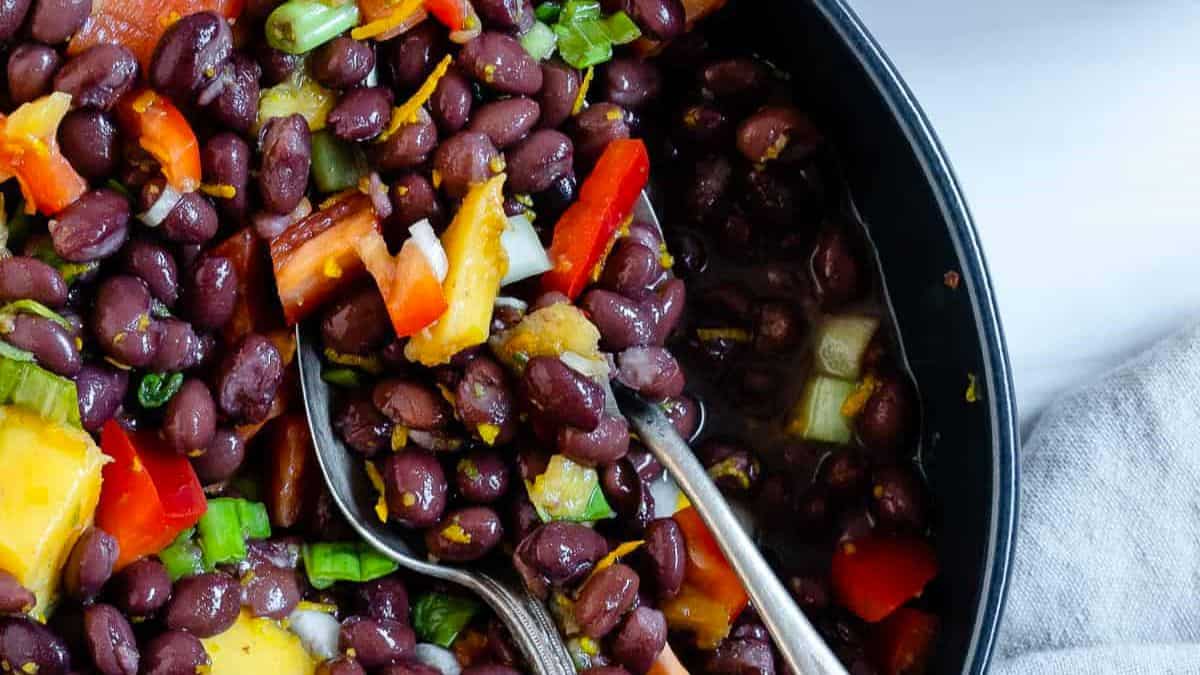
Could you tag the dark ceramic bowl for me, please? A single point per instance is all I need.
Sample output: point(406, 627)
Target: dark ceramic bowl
point(917, 217)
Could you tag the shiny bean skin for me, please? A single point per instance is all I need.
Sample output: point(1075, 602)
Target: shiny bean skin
point(357, 323)
point(286, 158)
point(605, 598)
point(385, 598)
point(361, 114)
point(535, 163)
point(413, 198)
point(560, 394)
point(236, 106)
point(631, 269)
point(222, 457)
point(225, 159)
point(14, 598)
point(409, 57)
point(376, 642)
point(641, 637)
point(734, 77)
point(704, 124)
point(499, 62)
point(31, 70)
point(668, 556)
point(631, 82)
point(174, 652)
point(666, 308)
point(90, 564)
point(560, 88)
point(643, 460)
point(732, 467)
point(54, 21)
point(121, 321)
point(741, 657)
point(100, 390)
point(884, 421)
point(481, 477)
point(415, 405)
point(408, 147)
point(276, 65)
point(342, 665)
point(22, 278)
point(554, 200)
point(362, 427)
point(153, 264)
point(190, 419)
point(628, 494)
point(834, 269)
point(97, 77)
point(179, 348)
point(465, 534)
point(204, 605)
point(415, 488)
point(52, 345)
point(12, 15)
point(659, 19)
point(653, 371)
point(451, 102)
point(597, 126)
point(685, 414)
point(506, 15)
point(778, 327)
point(622, 322)
point(271, 592)
point(210, 291)
point(93, 227)
point(483, 396)
point(506, 121)
point(110, 640)
point(607, 442)
point(248, 378)
point(464, 159)
point(557, 553)
point(897, 498)
point(25, 641)
point(705, 197)
point(142, 588)
point(190, 56)
point(766, 134)
point(342, 62)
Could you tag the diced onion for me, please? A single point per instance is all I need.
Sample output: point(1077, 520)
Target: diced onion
point(425, 239)
point(318, 632)
point(509, 301)
point(666, 496)
point(377, 191)
point(443, 660)
point(526, 256)
point(162, 206)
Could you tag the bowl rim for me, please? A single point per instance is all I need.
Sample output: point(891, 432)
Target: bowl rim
point(997, 372)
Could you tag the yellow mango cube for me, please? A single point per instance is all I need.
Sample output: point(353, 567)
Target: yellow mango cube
point(258, 646)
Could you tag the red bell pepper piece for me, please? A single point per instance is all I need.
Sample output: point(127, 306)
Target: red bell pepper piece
point(416, 298)
point(138, 24)
point(585, 231)
point(874, 575)
point(149, 495)
point(707, 569)
point(903, 642)
point(162, 131)
point(457, 15)
point(29, 151)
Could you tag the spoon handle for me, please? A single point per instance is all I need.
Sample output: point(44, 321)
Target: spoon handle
point(801, 645)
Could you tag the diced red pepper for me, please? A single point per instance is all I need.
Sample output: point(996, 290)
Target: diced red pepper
point(254, 310)
point(162, 131)
point(29, 151)
point(585, 231)
point(457, 15)
point(903, 642)
point(667, 663)
point(150, 494)
point(416, 298)
point(714, 595)
point(138, 24)
point(874, 575)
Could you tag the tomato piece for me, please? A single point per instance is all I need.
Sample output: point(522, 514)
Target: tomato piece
point(903, 642)
point(450, 13)
point(874, 575)
point(416, 298)
point(255, 310)
point(162, 131)
point(138, 24)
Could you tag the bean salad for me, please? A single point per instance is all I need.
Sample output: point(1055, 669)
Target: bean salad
point(444, 190)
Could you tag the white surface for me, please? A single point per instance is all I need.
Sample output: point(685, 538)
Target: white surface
point(1074, 128)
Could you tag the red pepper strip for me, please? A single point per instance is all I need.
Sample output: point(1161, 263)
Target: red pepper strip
point(874, 575)
point(138, 24)
point(667, 663)
point(149, 494)
point(452, 14)
point(29, 151)
point(707, 569)
point(903, 642)
point(583, 234)
point(416, 298)
point(164, 132)
point(254, 310)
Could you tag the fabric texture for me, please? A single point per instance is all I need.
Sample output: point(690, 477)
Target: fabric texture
point(1106, 577)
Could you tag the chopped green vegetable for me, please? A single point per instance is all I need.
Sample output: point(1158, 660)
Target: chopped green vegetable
point(299, 26)
point(584, 37)
point(156, 389)
point(328, 562)
point(182, 558)
point(24, 383)
point(840, 343)
point(548, 12)
point(440, 617)
point(10, 352)
point(621, 29)
point(253, 518)
point(583, 44)
point(568, 491)
point(7, 312)
point(348, 378)
point(539, 41)
point(371, 364)
point(297, 95)
point(220, 529)
point(336, 164)
point(43, 249)
point(818, 416)
point(575, 11)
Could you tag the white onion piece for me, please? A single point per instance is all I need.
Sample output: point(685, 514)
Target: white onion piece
point(597, 369)
point(526, 257)
point(377, 191)
point(436, 657)
point(270, 225)
point(318, 632)
point(509, 301)
point(426, 240)
point(666, 496)
point(162, 206)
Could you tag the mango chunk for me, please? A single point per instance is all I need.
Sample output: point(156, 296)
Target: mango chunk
point(258, 646)
point(48, 495)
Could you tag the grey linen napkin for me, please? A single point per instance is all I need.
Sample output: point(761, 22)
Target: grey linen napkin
point(1107, 571)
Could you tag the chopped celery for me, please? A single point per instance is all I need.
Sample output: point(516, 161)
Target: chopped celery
point(182, 558)
point(548, 12)
point(539, 41)
point(299, 26)
point(43, 249)
point(155, 389)
point(220, 531)
point(253, 518)
point(621, 29)
point(329, 562)
point(568, 491)
point(440, 617)
point(841, 342)
point(818, 415)
point(336, 164)
point(297, 94)
point(575, 11)
point(25, 384)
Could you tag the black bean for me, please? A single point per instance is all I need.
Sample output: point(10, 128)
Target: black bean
point(222, 457)
point(409, 146)
point(90, 564)
point(506, 121)
point(771, 131)
point(210, 291)
point(225, 159)
point(33, 647)
point(409, 57)
point(607, 442)
point(204, 605)
point(97, 77)
point(884, 422)
point(174, 652)
point(236, 106)
point(342, 62)
point(271, 591)
point(142, 588)
point(14, 598)
point(898, 498)
point(415, 487)
point(12, 15)
point(641, 637)
point(631, 82)
point(506, 15)
point(704, 125)
point(179, 348)
point(22, 278)
point(357, 323)
point(385, 598)
point(705, 197)
point(659, 19)
point(778, 327)
point(362, 427)
point(110, 640)
point(190, 419)
point(344, 665)
point(560, 88)
point(483, 396)
point(100, 390)
point(629, 495)
point(464, 159)
point(737, 77)
point(276, 65)
point(413, 198)
point(653, 371)
point(415, 405)
point(121, 321)
point(539, 160)
point(190, 55)
point(556, 554)
point(668, 556)
point(811, 593)
point(464, 534)
point(622, 322)
point(52, 345)
point(361, 114)
point(31, 70)
point(834, 269)
point(631, 268)
point(153, 264)
point(286, 157)
point(93, 227)
point(376, 642)
point(562, 395)
point(451, 102)
point(248, 379)
point(554, 200)
point(500, 644)
point(500, 62)
point(605, 598)
point(741, 657)
point(773, 201)
point(596, 127)
point(481, 477)
point(643, 461)
point(55, 21)
point(732, 467)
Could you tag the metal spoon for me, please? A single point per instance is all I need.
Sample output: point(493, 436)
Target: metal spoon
point(533, 631)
